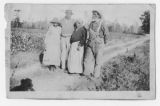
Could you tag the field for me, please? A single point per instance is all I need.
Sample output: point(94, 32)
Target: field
point(33, 39)
point(126, 64)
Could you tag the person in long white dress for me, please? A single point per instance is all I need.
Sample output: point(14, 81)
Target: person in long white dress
point(52, 51)
point(78, 39)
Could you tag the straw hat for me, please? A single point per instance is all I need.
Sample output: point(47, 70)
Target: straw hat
point(54, 20)
point(98, 12)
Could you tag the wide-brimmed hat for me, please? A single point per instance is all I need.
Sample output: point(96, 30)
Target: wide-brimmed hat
point(95, 11)
point(55, 20)
point(69, 12)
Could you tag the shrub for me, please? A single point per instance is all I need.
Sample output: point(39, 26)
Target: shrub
point(22, 40)
point(127, 72)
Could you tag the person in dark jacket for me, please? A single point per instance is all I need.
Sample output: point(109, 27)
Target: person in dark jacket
point(78, 40)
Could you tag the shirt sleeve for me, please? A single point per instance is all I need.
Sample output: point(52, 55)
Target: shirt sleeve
point(105, 32)
point(71, 39)
point(83, 37)
point(49, 30)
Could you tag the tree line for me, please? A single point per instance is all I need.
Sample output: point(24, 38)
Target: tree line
point(113, 27)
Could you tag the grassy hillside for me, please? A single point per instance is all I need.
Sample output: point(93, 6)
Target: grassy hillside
point(127, 72)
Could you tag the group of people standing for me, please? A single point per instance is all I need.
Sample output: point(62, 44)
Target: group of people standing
point(75, 47)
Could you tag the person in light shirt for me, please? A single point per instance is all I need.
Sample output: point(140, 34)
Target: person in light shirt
point(67, 29)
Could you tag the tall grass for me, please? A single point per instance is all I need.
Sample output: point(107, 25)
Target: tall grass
point(127, 72)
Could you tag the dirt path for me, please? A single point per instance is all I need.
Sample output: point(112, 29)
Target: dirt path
point(112, 51)
point(45, 80)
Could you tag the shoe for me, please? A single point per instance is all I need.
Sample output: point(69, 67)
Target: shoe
point(53, 67)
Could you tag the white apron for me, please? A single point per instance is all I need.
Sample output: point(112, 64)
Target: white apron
point(75, 59)
point(52, 44)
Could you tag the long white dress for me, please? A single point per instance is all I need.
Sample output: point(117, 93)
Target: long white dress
point(75, 59)
point(52, 44)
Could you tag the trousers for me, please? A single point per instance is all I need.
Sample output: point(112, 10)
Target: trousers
point(93, 59)
point(65, 46)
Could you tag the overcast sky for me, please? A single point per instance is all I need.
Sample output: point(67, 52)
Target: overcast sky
point(124, 14)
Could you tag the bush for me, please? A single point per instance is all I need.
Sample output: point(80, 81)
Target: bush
point(127, 72)
point(22, 40)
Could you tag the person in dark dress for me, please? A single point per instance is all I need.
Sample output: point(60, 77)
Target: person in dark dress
point(78, 40)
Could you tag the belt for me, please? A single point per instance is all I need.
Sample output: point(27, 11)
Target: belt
point(65, 36)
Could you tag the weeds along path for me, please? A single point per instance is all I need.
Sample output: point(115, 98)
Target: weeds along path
point(112, 51)
point(45, 80)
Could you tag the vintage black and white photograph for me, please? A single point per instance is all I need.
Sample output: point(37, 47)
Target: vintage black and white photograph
point(87, 51)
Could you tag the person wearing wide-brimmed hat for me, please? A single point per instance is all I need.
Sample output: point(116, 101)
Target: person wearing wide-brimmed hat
point(98, 34)
point(67, 29)
point(52, 45)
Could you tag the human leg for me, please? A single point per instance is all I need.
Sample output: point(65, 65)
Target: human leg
point(98, 60)
point(63, 53)
point(89, 61)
